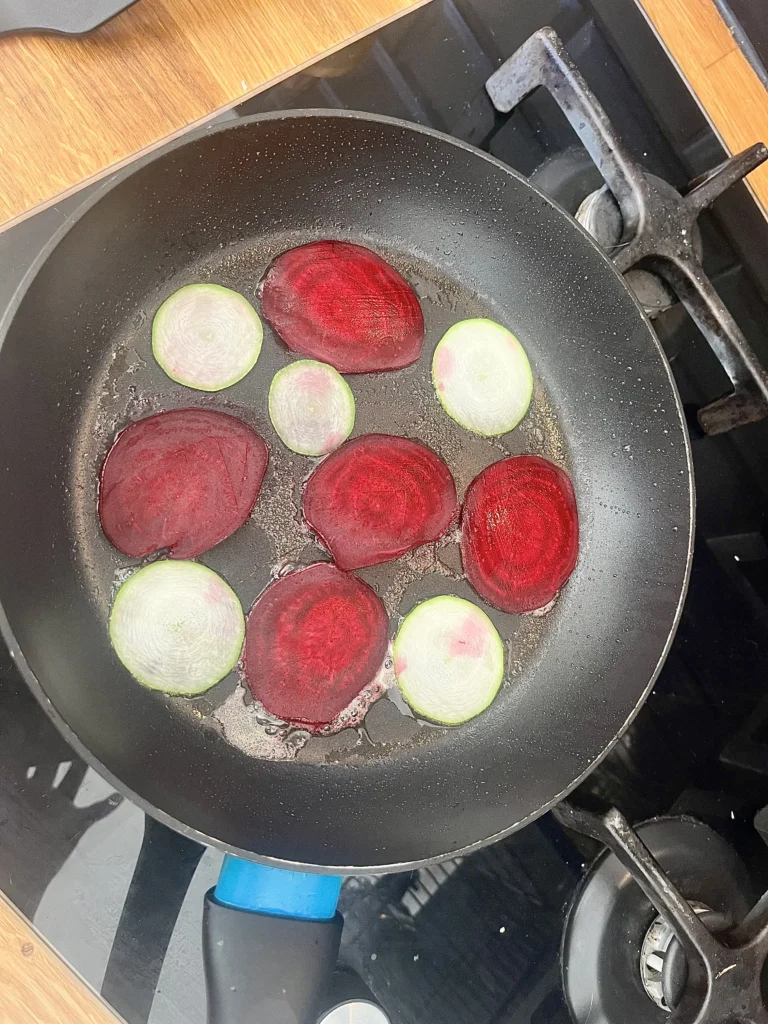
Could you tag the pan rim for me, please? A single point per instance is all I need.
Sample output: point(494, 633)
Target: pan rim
point(31, 680)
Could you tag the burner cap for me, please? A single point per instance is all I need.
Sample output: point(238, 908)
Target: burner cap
point(571, 178)
point(599, 213)
point(611, 932)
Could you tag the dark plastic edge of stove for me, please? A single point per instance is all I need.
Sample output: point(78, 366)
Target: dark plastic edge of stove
point(746, 45)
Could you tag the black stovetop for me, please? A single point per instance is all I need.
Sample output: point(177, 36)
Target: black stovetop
point(474, 941)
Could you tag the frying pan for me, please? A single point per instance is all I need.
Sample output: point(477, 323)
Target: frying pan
point(475, 239)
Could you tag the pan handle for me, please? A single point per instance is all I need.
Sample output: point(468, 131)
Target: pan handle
point(270, 941)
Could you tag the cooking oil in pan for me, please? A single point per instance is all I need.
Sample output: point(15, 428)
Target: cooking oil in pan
point(275, 539)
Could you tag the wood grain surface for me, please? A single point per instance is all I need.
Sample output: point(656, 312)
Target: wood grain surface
point(36, 986)
point(718, 73)
point(72, 109)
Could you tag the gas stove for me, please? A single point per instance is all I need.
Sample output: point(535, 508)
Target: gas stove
point(547, 925)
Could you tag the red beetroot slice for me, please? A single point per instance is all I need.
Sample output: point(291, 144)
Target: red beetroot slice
point(313, 641)
point(344, 305)
point(184, 480)
point(520, 533)
point(377, 497)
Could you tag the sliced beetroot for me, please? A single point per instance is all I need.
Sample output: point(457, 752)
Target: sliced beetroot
point(377, 497)
point(519, 533)
point(314, 640)
point(183, 480)
point(344, 305)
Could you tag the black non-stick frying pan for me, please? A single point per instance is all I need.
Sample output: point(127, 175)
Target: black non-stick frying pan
point(474, 238)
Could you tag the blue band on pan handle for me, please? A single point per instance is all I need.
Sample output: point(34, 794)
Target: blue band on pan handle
point(265, 890)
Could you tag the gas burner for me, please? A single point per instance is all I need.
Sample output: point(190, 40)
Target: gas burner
point(661, 927)
point(600, 214)
point(657, 225)
point(571, 179)
point(658, 951)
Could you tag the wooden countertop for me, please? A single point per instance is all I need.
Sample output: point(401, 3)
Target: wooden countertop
point(36, 986)
point(72, 109)
point(718, 74)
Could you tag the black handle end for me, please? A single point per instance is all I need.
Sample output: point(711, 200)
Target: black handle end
point(261, 969)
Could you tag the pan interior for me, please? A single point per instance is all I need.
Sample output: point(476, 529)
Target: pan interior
point(128, 385)
point(474, 241)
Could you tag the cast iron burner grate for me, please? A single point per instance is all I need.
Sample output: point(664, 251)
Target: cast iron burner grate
point(617, 962)
point(656, 224)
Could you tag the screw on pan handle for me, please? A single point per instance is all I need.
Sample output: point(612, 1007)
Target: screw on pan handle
point(658, 223)
point(723, 983)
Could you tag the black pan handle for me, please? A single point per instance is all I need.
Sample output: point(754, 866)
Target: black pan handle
point(75, 17)
point(270, 942)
